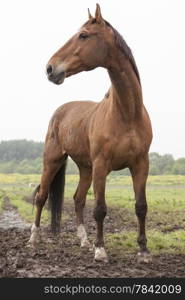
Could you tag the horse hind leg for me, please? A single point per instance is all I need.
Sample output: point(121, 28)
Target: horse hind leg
point(79, 200)
point(51, 168)
point(40, 198)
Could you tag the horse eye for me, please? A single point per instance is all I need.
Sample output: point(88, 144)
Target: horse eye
point(83, 36)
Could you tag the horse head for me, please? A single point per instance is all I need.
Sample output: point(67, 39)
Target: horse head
point(86, 50)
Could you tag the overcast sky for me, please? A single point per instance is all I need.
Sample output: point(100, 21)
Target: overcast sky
point(31, 31)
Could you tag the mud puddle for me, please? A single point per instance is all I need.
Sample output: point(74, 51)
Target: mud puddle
point(10, 218)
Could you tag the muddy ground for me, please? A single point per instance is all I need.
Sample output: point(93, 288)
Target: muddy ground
point(62, 256)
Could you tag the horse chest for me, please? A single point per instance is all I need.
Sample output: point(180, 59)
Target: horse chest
point(125, 149)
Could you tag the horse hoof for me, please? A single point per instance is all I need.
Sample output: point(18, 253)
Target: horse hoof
point(144, 257)
point(31, 245)
point(85, 244)
point(33, 242)
point(100, 255)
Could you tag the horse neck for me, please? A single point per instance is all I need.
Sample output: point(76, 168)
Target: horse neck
point(126, 94)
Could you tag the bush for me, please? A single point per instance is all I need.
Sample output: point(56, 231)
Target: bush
point(22, 156)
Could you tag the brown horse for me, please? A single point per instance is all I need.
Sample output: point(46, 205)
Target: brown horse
point(100, 137)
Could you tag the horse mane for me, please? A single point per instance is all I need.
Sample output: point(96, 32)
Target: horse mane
point(122, 45)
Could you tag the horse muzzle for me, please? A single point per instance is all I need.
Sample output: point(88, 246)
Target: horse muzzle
point(55, 77)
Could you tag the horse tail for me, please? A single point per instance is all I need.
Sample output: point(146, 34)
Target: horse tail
point(32, 197)
point(56, 198)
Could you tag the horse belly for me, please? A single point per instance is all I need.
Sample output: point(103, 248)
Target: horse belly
point(82, 159)
point(77, 148)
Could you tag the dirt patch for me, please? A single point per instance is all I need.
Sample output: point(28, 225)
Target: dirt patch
point(10, 218)
point(62, 256)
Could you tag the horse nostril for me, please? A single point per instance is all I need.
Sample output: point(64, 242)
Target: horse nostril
point(49, 70)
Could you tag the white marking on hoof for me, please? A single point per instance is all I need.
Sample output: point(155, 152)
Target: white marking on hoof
point(100, 254)
point(144, 257)
point(85, 244)
point(35, 237)
point(82, 234)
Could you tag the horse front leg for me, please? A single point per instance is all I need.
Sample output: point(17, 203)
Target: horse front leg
point(80, 199)
point(100, 210)
point(139, 175)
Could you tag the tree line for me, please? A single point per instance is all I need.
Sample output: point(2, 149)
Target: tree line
point(25, 157)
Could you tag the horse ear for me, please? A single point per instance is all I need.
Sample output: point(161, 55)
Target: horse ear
point(89, 14)
point(98, 14)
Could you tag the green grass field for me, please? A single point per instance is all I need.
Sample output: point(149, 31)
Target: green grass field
point(166, 208)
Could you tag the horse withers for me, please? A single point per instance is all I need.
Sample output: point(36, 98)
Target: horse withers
point(99, 136)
